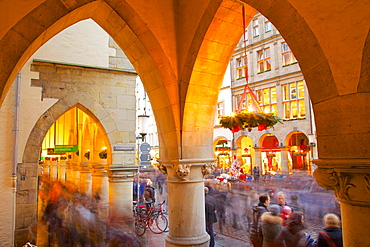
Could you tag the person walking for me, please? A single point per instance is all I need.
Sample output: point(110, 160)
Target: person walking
point(256, 173)
point(210, 213)
point(295, 205)
point(294, 235)
point(331, 236)
point(256, 236)
point(271, 225)
point(149, 193)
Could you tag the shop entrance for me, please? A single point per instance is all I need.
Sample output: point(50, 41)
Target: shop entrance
point(270, 154)
point(299, 152)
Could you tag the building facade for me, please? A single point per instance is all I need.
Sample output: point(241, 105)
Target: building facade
point(180, 50)
point(263, 60)
point(77, 125)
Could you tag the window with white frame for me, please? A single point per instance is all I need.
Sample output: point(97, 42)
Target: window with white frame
point(268, 100)
point(268, 25)
point(256, 31)
point(263, 60)
point(241, 67)
point(293, 100)
point(288, 57)
point(220, 109)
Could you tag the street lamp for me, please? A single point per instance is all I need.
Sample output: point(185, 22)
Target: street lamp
point(142, 127)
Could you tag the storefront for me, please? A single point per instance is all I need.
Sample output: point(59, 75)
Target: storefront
point(299, 152)
point(223, 154)
point(270, 154)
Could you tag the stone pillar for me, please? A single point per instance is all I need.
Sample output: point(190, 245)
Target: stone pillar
point(69, 171)
point(100, 186)
point(120, 191)
point(75, 174)
point(186, 201)
point(46, 166)
point(258, 158)
point(85, 178)
point(62, 170)
point(350, 180)
point(54, 170)
point(284, 160)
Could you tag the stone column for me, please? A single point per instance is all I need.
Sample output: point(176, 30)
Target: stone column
point(85, 178)
point(350, 180)
point(120, 191)
point(284, 160)
point(100, 186)
point(46, 166)
point(68, 171)
point(258, 158)
point(186, 201)
point(54, 170)
point(62, 170)
point(75, 173)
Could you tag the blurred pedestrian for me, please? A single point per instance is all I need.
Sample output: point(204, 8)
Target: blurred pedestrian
point(221, 200)
point(256, 173)
point(294, 235)
point(210, 213)
point(295, 205)
point(149, 193)
point(160, 179)
point(331, 236)
point(285, 214)
point(271, 225)
point(256, 236)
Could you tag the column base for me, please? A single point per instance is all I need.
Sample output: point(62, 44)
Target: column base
point(202, 240)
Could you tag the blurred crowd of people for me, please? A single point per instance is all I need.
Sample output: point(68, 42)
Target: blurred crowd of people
point(69, 218)
point(238, 202)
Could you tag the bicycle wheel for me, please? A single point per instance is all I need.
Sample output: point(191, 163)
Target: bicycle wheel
point(158, 223)
point(140, 227)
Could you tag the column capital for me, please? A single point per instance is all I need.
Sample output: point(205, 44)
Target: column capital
point(348, 178)
point(99, 169)
point(186, 170)
point(85, 167)
point(121, 174)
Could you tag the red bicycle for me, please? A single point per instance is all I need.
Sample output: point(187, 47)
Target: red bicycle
point(150, 217)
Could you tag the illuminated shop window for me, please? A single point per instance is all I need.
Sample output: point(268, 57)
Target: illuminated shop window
point(288, 57)
point(263, 60)
point(293, 101)
point(268, 100)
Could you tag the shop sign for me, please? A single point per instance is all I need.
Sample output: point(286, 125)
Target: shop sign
point(119, 148)
point(50, 151)
point(65, 148)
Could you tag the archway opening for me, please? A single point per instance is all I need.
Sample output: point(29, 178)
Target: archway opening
point(299, 157)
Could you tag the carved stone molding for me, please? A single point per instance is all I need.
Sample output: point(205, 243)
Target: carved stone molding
point(185, 170)
point(182, 171)
point(162, 169)
point(208, 168)
point(349, 179)
point(121, 174)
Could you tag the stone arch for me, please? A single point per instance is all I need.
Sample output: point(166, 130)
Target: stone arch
point(364, 85)
point(83, 101)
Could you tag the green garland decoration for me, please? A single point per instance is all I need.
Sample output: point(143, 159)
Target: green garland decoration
point(249, 120)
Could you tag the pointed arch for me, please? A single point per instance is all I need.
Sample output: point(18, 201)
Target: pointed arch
point(43, 124)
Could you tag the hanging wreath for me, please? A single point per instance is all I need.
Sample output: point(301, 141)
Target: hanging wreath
point(249, 120)
point(103, 154)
